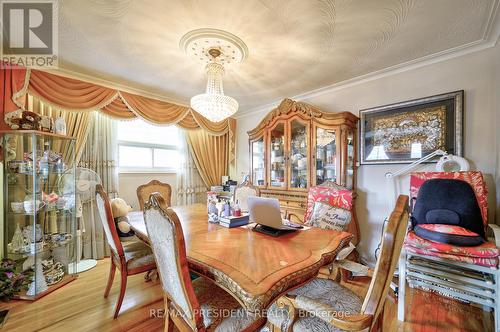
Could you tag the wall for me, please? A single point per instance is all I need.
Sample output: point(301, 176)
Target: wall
point(476, 73)
point(496, 88)
point(128, 183)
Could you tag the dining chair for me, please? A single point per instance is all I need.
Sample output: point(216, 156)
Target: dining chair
point(145, 190)
point(197, 305)
point(131, 257)
point(332, 307)
point(242, 192)
point(470, 273)
point(331, 206)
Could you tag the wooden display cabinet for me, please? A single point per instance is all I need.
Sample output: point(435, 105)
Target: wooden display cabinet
point(297, 146)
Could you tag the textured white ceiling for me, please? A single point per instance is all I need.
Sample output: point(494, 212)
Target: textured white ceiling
point(294, 45)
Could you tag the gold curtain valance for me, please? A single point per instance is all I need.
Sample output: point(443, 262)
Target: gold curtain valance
point(74, 95)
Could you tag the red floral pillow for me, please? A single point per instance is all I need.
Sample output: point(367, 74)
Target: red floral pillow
point(331, 196)
point(484, 255)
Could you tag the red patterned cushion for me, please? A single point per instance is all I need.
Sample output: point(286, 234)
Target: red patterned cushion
point(447, 229)
point(474, 178)
point(331, 196)
point(485, 254)
point(488, 262)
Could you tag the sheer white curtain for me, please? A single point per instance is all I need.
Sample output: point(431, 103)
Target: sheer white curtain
point(190, 186)
point(100, 155)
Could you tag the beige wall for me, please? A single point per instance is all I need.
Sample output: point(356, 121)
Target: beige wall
point(129, 182)
point(475, 73)
point(496, 91)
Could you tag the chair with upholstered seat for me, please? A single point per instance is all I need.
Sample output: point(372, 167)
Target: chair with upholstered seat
point(132, 257)
point(331, 206)
point(145, 190)
point(448, 265)
point(191, 306)
point(242, 192)
point(329, 306)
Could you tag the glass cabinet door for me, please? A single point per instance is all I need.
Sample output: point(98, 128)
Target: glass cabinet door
point(277, 160)
point(349, 182)
point(326, 155)
point(299, 133)
point(258, 170)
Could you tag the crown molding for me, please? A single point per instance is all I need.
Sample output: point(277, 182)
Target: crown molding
point(113, 85)
point(386, 72)
point(490, 38)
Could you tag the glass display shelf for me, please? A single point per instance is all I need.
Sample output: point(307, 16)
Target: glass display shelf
point(44, 247)
point(258, 160)
point(349, 181)
point(39, 216)
point(326, 155)
point(278, 160)
point(298, 154)
point(65, 280)
point(38, 174)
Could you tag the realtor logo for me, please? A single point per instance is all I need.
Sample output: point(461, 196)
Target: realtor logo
point(29, 33)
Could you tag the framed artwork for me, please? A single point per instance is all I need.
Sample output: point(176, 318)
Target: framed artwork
point(407, 131)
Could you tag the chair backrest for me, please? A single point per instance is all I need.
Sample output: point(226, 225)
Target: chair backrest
point(474, 178)
point(450, 202)
point(108, 223)
point(334, 195)
point(167, 241)
point(145, 190)
point(392, 242)
point(241, 194)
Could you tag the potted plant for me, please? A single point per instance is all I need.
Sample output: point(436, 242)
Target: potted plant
point(12, 281)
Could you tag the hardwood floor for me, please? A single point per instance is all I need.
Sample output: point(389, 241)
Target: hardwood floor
point(80, 306)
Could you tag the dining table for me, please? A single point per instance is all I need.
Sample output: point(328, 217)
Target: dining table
point(255, 268)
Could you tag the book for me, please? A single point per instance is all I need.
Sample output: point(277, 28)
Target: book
point(234, 224)
point(244, 216)
point(233, 221)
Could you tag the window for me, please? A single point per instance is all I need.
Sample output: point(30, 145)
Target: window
point(143, 147)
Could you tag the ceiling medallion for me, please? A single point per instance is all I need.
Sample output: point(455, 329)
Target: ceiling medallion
point(215, 48)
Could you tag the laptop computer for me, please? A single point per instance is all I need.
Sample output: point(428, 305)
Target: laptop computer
point(266, 212)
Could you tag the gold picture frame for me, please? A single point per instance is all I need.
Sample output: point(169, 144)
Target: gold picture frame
point(407, 131)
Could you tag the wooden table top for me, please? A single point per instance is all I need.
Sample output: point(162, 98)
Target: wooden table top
point(254, 268)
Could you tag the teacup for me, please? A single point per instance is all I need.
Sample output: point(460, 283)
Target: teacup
point(32, 206)
point(17, 207)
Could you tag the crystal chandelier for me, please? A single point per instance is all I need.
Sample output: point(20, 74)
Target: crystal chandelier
point(213, 104)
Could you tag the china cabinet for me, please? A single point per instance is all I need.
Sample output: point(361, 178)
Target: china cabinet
point(39, 221)
point(297, 146)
